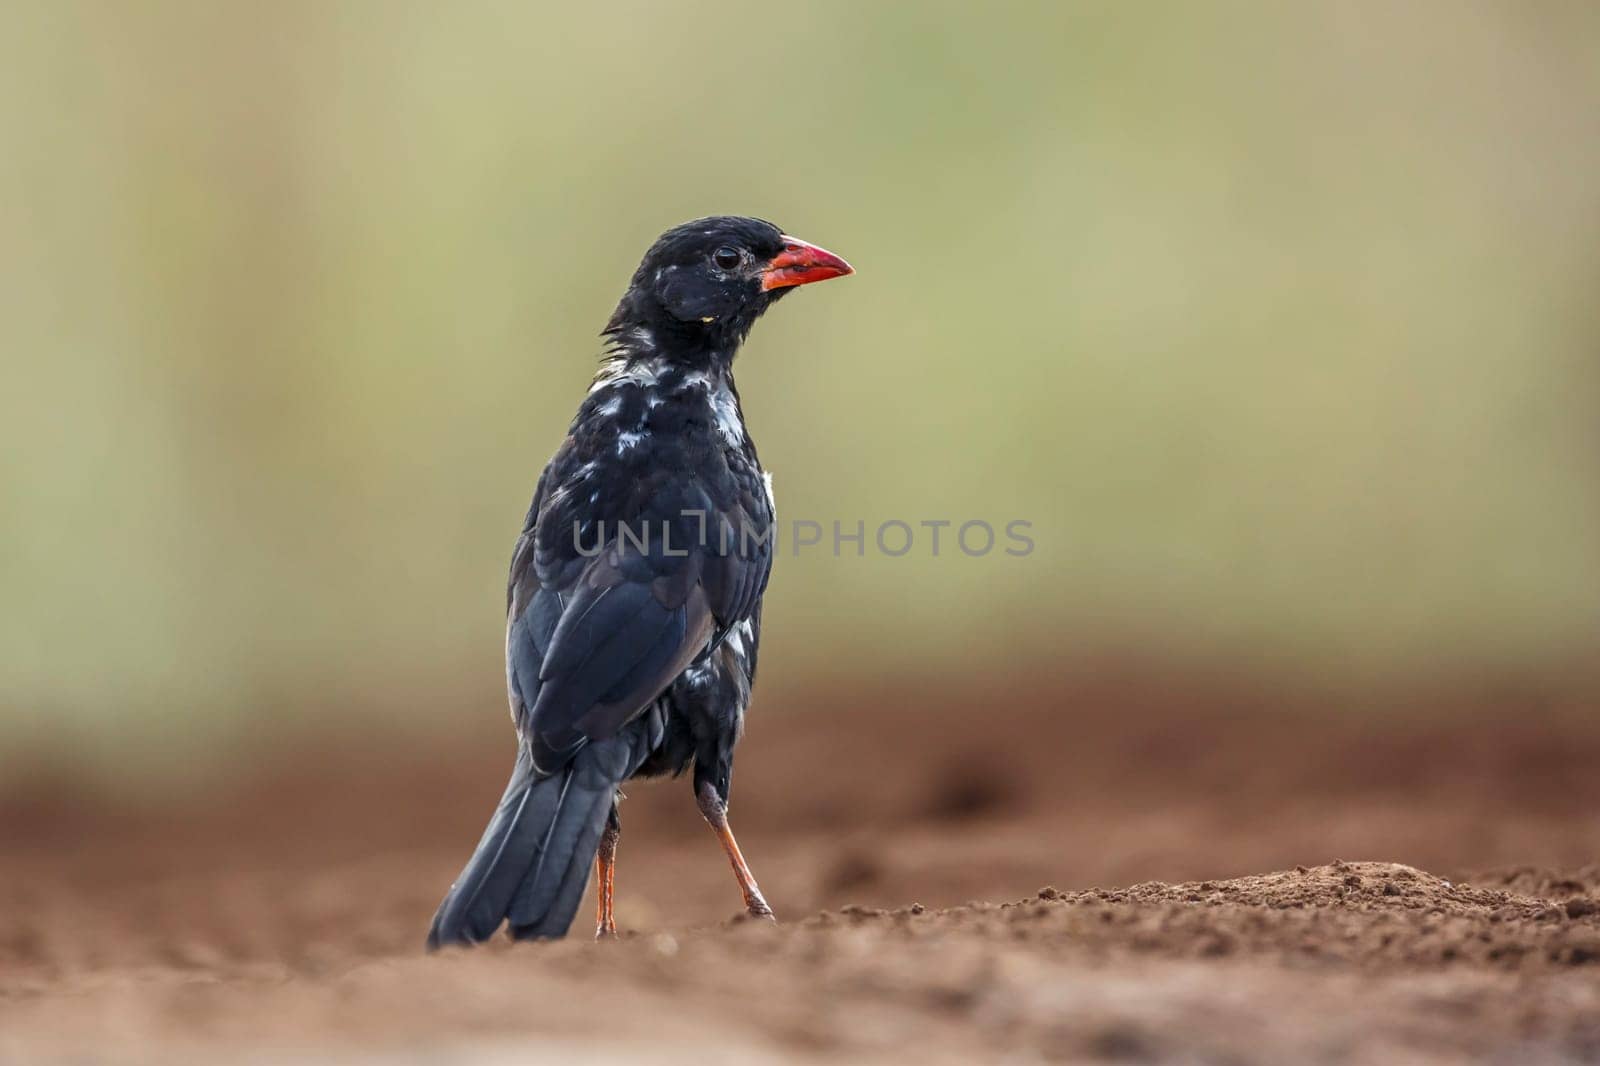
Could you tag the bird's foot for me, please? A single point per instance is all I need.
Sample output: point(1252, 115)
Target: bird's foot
point(605, 930)
point(757, 907)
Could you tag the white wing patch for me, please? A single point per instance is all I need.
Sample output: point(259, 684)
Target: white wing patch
point(739, 637)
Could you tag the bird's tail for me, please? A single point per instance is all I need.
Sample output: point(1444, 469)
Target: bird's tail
point(533, 863)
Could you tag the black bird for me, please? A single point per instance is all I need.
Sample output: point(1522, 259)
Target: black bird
point(633, 610)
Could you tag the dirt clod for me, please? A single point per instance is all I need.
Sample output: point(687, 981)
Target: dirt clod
point(1580, 907)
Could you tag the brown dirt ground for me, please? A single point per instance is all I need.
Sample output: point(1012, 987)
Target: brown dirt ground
point(282, 919)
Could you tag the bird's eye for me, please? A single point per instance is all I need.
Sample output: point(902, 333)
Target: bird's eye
point(726, 258)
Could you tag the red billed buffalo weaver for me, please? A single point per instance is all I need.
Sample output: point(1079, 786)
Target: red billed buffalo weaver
point(634, 602)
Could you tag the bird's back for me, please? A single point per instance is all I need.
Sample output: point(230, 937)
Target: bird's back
point(656, 509)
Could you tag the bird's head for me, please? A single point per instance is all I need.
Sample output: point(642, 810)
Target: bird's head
point(703, 284)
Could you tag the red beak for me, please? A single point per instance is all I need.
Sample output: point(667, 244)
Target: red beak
point(801, 263)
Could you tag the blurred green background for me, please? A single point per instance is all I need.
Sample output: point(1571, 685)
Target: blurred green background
point(1279, 322)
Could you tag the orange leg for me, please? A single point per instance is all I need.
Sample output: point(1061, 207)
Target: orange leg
point(605, 871)
point(716, 816)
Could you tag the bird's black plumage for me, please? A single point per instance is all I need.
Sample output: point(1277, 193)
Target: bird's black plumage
point(634, 601)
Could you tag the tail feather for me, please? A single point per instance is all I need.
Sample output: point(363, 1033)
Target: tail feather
point(533, 862)
point(548, 901)
point(511, 845)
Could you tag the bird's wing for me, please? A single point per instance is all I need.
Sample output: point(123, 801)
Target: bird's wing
point(593, 637)
point(736, 574)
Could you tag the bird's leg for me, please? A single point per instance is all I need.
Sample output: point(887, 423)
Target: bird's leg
point(715, 812)
point(605, 873)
